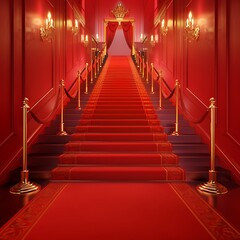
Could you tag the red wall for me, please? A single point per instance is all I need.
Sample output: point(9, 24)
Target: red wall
point(205, 68)
point(33, 68)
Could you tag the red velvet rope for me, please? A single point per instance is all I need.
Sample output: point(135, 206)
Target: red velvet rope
point(47, 119)
point(195, 121)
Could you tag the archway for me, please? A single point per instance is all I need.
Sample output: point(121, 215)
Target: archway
point(111, 25)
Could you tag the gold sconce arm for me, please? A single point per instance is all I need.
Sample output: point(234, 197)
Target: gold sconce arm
point(47, 32)
point(192, 31)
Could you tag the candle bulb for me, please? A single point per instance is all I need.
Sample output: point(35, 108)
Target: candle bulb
point(190, 16)
point(163, 23)
point(76, 23)
point(49, 16)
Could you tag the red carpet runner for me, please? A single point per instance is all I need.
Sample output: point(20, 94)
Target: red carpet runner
point(119, 137)
point(118, 211)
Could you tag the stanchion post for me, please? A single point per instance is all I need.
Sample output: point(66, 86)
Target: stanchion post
point(98, 64)
point(143, 67)
point(101, 60)
point(147, 72)
point(140, 64)
point(62, 131)
point(95, 69)
point(212, 186)
point(86, 82)
point(176, 131)
point(92, 65)
point(152, 87)
point(24, 186)
point(79, 90)
point(160, 90)
point(138, 60)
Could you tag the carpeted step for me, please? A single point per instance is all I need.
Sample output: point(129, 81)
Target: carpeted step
point(120, 101)
point(119, 129)
point(118, 158)
point(112, 106)
point(127, 137)
point(119, 116)
point(118, 122)
point(136, 112)
point(119, 146)
point(118, 173)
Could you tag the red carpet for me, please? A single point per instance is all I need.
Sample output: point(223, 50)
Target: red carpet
point(119, 136)
point(117, 211)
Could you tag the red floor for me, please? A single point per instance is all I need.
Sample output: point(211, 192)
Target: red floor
point(123, 211)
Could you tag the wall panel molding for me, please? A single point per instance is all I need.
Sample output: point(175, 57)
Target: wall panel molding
point(7, 72)
point(233, 75)
point(200, 59)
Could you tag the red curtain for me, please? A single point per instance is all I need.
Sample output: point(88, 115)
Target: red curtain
point(111, 30)
point(128, 33)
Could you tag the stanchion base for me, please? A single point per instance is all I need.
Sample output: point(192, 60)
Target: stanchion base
point(152, 92)
point(85, 92)
point(22, 187)
point(175, 133)
point(212, 187)
point(62, 133)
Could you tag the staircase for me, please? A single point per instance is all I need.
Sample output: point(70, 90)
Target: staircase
point(119, 136)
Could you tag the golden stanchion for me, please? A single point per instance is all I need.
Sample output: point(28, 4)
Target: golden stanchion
point(212, 186)
point(176, 132)
point(140, 64)
point(24, 186)
point(79, 90)
point(92, 64)
point(95, 69)
point(86, 83)
point(101, 60)
point(160, 90)
point(62, 132)
point(152, 87)
point(138, 60)
point(143, 67)
point(147, 72)
point(98, 64)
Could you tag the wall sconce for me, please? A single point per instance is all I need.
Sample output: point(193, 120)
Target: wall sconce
point(143, 38)
point(75, 28)
point(152, 41)
point(97, 37)
point(192, 32)
point(84, 40)
point(164, 29)
point(47, 31)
